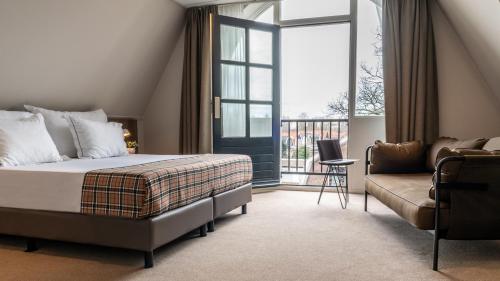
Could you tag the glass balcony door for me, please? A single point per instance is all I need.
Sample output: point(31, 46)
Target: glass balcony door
point(247, 93)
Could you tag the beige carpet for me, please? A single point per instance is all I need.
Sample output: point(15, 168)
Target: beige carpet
point(285, 236)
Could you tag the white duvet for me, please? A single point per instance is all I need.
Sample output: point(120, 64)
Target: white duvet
point(58, 186)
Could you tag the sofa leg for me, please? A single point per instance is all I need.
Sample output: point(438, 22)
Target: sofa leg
point(31, 245)
point(211, 226)
point(244, 209)
point(148, 259)
point(436, 252)
point(366, 201)
point(203, 230)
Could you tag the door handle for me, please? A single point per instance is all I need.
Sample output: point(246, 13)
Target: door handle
point(217, 108)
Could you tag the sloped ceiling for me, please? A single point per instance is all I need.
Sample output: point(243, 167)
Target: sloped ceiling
point(478, 25)
point(85, 54)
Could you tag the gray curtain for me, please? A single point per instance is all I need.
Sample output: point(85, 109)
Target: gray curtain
point(410, 83)
point(196, 100)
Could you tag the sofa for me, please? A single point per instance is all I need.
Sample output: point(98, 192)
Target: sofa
point(461, 177)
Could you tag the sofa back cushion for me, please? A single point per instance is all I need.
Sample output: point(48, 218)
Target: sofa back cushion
point(492, 144)
point(451, 143)
point(407, 157)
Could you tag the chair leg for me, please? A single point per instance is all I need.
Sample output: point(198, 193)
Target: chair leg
point(366, 201)
point(31, 245)
point(436, 252)
point(203, 230)
point(148, 259)
point(347, 183)
point(244, 209)
point(340, 189)
point(211, 226)
point(324, 184)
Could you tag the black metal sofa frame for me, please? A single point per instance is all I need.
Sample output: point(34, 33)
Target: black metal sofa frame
point(474, 200)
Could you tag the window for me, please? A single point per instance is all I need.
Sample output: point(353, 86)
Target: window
point(370, 87)
point(298, 25)
point(315, 74)
point(322, 83)
point(315, 51)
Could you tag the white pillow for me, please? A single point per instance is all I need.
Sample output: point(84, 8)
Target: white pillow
point(492, 144)
point(59, 129)
point(96, 139)
point(26, 141)
point(14, 115)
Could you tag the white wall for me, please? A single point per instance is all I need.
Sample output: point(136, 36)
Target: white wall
point(162, 116)
point(80, 54)
point(467, 106)
point(363, 131)
point(478, 26)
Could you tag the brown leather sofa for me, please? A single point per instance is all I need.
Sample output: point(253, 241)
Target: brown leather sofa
point(464, 183)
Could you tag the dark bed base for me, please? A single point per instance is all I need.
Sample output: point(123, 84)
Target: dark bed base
point(143, 235)
point(230, 200)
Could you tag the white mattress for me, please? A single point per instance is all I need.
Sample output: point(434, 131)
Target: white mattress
point(58, 186)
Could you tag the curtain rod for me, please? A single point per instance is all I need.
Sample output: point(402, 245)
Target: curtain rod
point(232, 3)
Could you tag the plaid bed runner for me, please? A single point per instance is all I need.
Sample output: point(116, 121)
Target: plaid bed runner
point(150, 189)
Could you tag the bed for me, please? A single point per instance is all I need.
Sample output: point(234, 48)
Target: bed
point(138, 202)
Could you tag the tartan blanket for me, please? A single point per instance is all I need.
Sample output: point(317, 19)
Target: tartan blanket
point(150, 189)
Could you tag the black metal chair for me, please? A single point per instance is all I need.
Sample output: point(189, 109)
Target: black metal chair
point(330, 155)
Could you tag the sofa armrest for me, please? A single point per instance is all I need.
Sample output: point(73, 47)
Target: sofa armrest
point(474, 197)
point(368, 159)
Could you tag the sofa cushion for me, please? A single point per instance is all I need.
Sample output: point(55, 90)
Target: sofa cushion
point(408, 196)
point(450, 170)
point(407, 157)
point(451, 143)
point(492, 144)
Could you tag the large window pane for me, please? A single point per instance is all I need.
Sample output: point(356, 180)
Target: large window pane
point(232, 43)
point(370, 83)
point(261, 84)
point(233, 120)
point(300, 9)
point(233, 82)
point(261, 116)
point(261, 47)
point(315, 72)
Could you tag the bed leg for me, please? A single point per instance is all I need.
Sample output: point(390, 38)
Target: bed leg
point(203, 230)
point(31, 245)
point(148, 259)
point(211, 226)
point(244, 209)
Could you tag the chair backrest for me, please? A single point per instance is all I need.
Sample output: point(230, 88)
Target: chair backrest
point(329, 150)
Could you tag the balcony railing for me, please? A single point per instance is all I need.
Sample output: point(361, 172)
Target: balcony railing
point(298, 143)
